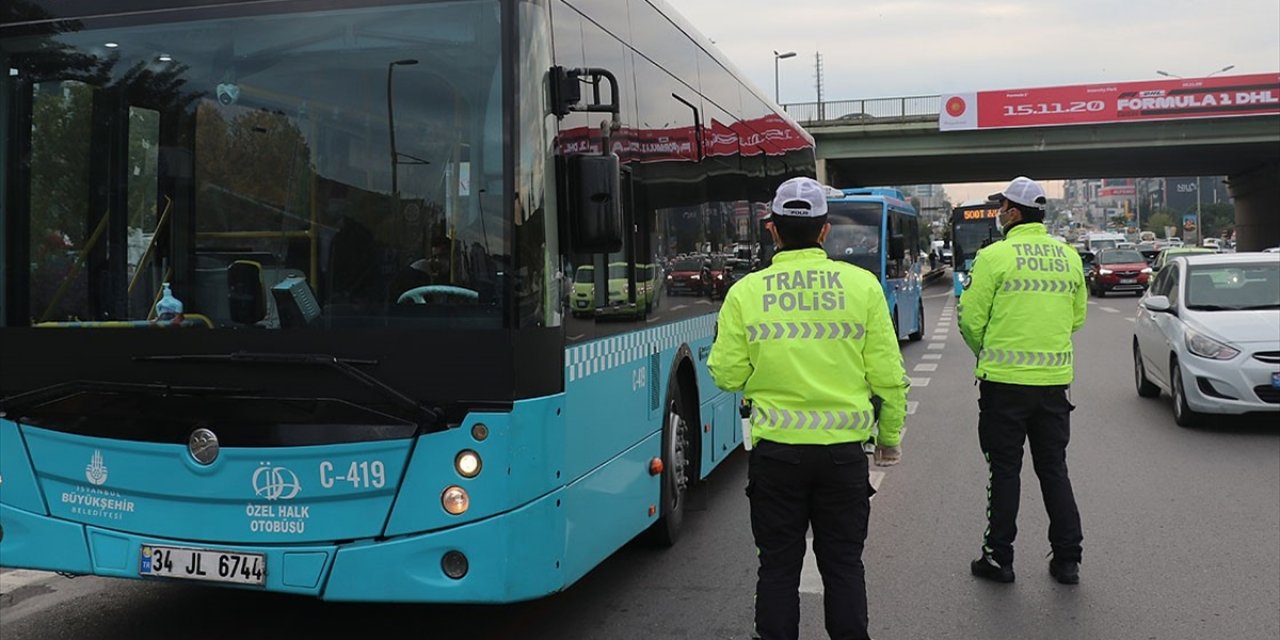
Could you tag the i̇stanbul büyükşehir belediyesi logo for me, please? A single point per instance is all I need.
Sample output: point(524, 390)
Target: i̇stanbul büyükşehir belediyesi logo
point(96, 471)
point(956, 106)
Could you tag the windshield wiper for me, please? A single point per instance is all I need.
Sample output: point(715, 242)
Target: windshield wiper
point(1252, 307)
point(36, 396)
point(346, 366)
point(1211, 307)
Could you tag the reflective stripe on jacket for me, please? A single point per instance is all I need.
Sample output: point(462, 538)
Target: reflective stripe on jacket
point(1027, 296)
point(809, 341)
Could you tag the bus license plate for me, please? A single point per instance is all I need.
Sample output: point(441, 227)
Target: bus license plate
point(1128, 281)
point(1275, 380)
point(203, 564)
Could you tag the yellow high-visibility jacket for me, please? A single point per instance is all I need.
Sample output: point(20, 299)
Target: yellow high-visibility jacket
point(1027, 296)
point(809, 341)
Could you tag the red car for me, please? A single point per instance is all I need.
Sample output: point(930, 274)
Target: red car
point(719, 277)
point(1118, 270)
point(688, 277)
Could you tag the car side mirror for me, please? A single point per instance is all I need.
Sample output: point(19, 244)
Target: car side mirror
point(1158, 304)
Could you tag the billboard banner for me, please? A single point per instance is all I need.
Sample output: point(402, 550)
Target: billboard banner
point(1216, 97)
point(1180, 194)
point(1121, 188)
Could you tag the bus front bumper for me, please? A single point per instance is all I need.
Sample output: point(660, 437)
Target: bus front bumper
point(509, 557)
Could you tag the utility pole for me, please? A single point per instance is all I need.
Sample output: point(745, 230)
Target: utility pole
point(818, 75)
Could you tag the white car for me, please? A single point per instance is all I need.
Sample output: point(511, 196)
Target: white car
point(1207, 334)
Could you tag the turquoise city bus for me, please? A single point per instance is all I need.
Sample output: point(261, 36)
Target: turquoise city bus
point(285, 287)
point(974, 225)
point(878, 230)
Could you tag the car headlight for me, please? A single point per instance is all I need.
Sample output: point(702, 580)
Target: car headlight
point(965, 280)
point(1105, 272)
point(1147, 270)
point(695, 277)
point(1206, 347)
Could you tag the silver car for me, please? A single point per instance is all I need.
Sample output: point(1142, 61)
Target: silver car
point(1208, 332)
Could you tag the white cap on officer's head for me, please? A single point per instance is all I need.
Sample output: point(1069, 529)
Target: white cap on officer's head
point(800, 198)
point(1023, 191)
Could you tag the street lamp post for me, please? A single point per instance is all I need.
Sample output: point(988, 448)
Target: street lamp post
point(391, 123)
point(1212, 73)
point(776, 57)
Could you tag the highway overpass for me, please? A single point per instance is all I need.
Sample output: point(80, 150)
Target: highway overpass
point(898, 141)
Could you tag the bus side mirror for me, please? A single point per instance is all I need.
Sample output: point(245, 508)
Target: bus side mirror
point(597, 200)
point(897, 246)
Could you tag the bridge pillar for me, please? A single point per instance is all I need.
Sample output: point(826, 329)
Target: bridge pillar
point(822, 172)
point(1257, 201)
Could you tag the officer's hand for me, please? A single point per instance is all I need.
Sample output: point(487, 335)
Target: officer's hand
point(888, 456)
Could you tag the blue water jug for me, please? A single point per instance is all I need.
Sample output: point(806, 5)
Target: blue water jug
point(168, 307)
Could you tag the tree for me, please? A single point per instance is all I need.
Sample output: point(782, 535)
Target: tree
point(1157, 221)
point(1217, 218)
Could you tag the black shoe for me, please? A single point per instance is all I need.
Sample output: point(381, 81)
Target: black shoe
point(1065, 571)
point(987, 568)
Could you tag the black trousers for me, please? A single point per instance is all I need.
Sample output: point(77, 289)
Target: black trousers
point(1010, 414)
point(790, 488)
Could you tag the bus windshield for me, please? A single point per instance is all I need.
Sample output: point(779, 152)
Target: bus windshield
point(855, 233)
point(968, 237)
point(353, 157)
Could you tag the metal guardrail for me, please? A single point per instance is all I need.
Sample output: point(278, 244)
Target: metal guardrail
point(866, 111)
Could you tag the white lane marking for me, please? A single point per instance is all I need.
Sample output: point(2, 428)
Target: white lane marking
point(931, 356)
point(679, 307)
point(15, 579)
point(703, 302)
point(932, 366)
point(941, 334)
point(912, 405)
point(1110, 310)
point(937, 345)
point(1093, 302)
point(938, 295)
point(1131, 319)
point(810, 577)
point(920, 382)
point(654, 319)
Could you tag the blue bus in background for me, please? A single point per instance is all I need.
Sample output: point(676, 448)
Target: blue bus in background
point(878, 230)
point(367, 383)
point(974, 225)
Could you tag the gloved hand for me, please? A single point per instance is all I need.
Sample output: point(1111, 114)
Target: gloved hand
point(888, 456)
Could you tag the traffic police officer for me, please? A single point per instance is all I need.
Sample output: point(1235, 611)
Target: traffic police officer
point(1025, 299)
point(809, 341)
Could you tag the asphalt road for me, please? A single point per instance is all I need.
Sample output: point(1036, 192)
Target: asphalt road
point(1182, 540)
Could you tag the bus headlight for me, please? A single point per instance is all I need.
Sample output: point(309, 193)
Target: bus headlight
point(468, 463)
point(455, 500)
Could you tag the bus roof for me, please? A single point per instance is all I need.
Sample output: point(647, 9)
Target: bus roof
point(894, 198)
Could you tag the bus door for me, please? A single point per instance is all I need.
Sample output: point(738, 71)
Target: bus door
point(902, 272)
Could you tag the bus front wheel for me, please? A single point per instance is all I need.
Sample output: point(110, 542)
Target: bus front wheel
point(916, 335)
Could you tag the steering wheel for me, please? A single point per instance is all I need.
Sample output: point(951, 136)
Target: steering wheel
point(418, 295)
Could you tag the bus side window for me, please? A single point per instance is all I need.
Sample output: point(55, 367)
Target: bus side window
point(893, 267)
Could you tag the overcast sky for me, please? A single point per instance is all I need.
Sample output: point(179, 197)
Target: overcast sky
point(890, 48)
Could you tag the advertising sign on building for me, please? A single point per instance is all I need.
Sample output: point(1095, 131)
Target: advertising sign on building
point(1180, 194)
point(1221, 96)
point(1120, 188)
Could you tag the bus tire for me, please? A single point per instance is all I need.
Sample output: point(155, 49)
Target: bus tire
point(677, 463)
point(918, 334)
